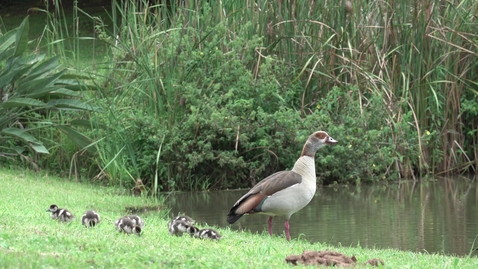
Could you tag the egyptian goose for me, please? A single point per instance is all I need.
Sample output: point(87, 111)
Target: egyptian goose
point(90, 218)
point(61, 214)
point(285, 192)
point(182, 224)
point(137, 220)
point(179, 227)
point(128, 226)
point(208, 233)
point(184, 218)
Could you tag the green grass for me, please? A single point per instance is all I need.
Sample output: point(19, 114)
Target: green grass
point(30, 239)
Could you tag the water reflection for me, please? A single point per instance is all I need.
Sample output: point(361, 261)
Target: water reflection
point(436, 216)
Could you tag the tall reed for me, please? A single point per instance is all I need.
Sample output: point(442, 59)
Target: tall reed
point(417, 56)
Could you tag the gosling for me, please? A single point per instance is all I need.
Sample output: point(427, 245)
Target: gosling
point(90, 218)
point(182, 224)
point(60, 214)
point(207, 233)
point(179, 227)
point(127, 226)
point(184, 218)
point(137, 220)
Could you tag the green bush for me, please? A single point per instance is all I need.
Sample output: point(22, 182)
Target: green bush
point(220, 115)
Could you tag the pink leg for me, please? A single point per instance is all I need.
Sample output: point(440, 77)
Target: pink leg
point(287, 227)
point(269, 225)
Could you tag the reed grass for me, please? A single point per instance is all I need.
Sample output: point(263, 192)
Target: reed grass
point(417, 57)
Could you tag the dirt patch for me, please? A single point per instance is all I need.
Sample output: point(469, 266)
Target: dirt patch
point(328, 258)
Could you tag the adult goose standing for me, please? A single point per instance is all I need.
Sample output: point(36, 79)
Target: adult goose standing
point(285, 192)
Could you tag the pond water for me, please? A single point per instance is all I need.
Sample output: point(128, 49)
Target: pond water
point(439, 216)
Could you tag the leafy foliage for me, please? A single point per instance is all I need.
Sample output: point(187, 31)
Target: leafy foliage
point(218, 94)
point(221, 96)
point(33, 89)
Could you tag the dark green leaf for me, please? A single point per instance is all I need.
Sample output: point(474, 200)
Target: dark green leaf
point(38, 84)
point(18, 149)
point(6, 41)
point(52, 92)
point(22, 102)
point(80, 87)
point(7, 76)
point(39, 148)
point(21, 38)
point(64, 92)
point(23, 68)
point(74, 77)
point(20, 133)
point(40, 93)
point(45, 67)
point(71, 104)
point(81, 140)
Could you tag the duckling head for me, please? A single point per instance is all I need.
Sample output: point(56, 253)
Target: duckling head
point(53, 208)
point(192, 230)
point(137, 230)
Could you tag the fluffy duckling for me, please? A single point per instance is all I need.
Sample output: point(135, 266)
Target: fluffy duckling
point(184, 218)
point(208, 233)
point(137, 220)
point(61, 214)
point(90, 218)
point(188, 220)
point(182, 224)
point(179, 227)
point(128, 226)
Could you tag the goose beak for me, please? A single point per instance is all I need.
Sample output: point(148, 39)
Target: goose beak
point(330, 140)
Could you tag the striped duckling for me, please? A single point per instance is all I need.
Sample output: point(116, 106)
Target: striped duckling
point(137, 220)
point(128, 226)
point(61, 214)
point(182, 224)
point(208, 233)
point(90, 218)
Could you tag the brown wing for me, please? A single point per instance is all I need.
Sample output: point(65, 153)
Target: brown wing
point(251, 201)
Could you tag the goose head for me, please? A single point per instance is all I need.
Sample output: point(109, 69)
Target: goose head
point(316, 141)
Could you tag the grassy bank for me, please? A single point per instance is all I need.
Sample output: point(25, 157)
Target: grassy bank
point(30, 239)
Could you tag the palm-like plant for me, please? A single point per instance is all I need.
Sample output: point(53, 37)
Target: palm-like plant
point(32, 86)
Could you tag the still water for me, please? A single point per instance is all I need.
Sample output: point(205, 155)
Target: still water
point(439, 216)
